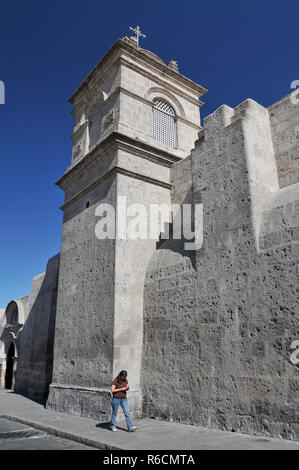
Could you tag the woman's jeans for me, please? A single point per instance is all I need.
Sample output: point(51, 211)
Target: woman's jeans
point(123, 402)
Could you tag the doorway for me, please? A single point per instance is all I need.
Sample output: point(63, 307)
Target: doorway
point(9, 367)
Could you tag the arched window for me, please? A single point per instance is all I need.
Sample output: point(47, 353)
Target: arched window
point(164, 125)
point(95, 123)
point(12, 312)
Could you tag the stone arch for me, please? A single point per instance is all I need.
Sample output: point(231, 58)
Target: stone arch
point(157, 92)
point(170, 328)
point(14, 314)
point(12, 323)
point(2, 348)
point(95, 117)
point(96, 103)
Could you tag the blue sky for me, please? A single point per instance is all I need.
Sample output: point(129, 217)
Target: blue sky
point(235, 49)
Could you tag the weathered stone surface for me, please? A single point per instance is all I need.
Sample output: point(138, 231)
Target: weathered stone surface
point(221, 356)
point(90, 402)
point(84, 325)
point(284, 118)
point(35, 362)
point(30, 327)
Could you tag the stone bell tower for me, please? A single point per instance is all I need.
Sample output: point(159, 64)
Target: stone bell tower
point(134, 118)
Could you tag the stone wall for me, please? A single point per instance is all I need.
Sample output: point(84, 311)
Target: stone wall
point(2, 365)
point(2, 311)
point(35, 339)
point(181, 180)
point(132, 258)
point(219, 322)
point(84, 321)
point(284, 119)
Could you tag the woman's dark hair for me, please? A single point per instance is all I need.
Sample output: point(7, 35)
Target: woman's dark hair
point(121, 374)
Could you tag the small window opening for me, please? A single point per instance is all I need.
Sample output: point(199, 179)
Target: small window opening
point(164, 123)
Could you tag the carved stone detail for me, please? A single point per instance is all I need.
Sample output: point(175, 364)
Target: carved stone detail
point(109, 119)
point(77, 150)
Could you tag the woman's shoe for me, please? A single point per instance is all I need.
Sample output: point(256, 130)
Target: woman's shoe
point(132, 429)
point(114, 429)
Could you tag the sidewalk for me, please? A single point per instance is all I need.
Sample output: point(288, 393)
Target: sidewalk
point(150, 435)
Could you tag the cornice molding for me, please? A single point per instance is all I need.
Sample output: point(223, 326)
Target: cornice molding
point(145, 73)
point(140, 53)
point(109, 174)
point(80, 388)
point(166, 84)
point(111, 143)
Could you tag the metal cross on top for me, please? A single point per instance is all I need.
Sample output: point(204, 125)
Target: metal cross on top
point(138, 33)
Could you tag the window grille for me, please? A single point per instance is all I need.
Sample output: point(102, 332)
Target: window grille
point(164, 127)
point(95, 122)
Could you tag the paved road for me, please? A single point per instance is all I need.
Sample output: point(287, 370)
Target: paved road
point(17, 436)
point(151, 434)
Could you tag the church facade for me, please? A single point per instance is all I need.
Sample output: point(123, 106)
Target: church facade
point(206, 335)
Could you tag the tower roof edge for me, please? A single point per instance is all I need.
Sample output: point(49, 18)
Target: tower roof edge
point(142, 54)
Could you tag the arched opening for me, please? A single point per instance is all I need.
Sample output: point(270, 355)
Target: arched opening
point(9, 367)
point(14, 314)
point(12, 323)
point(95, 125)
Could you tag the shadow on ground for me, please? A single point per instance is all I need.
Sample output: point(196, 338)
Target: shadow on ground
point(40, 401)
point(108, 426)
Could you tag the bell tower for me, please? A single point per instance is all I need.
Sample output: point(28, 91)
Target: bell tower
point(134, 117)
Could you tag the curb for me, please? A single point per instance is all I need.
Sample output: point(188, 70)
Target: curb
point(63, 434)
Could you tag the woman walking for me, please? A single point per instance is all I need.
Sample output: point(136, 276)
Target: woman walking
point(119, 389)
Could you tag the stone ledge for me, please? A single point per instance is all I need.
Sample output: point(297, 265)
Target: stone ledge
point(111, 143)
